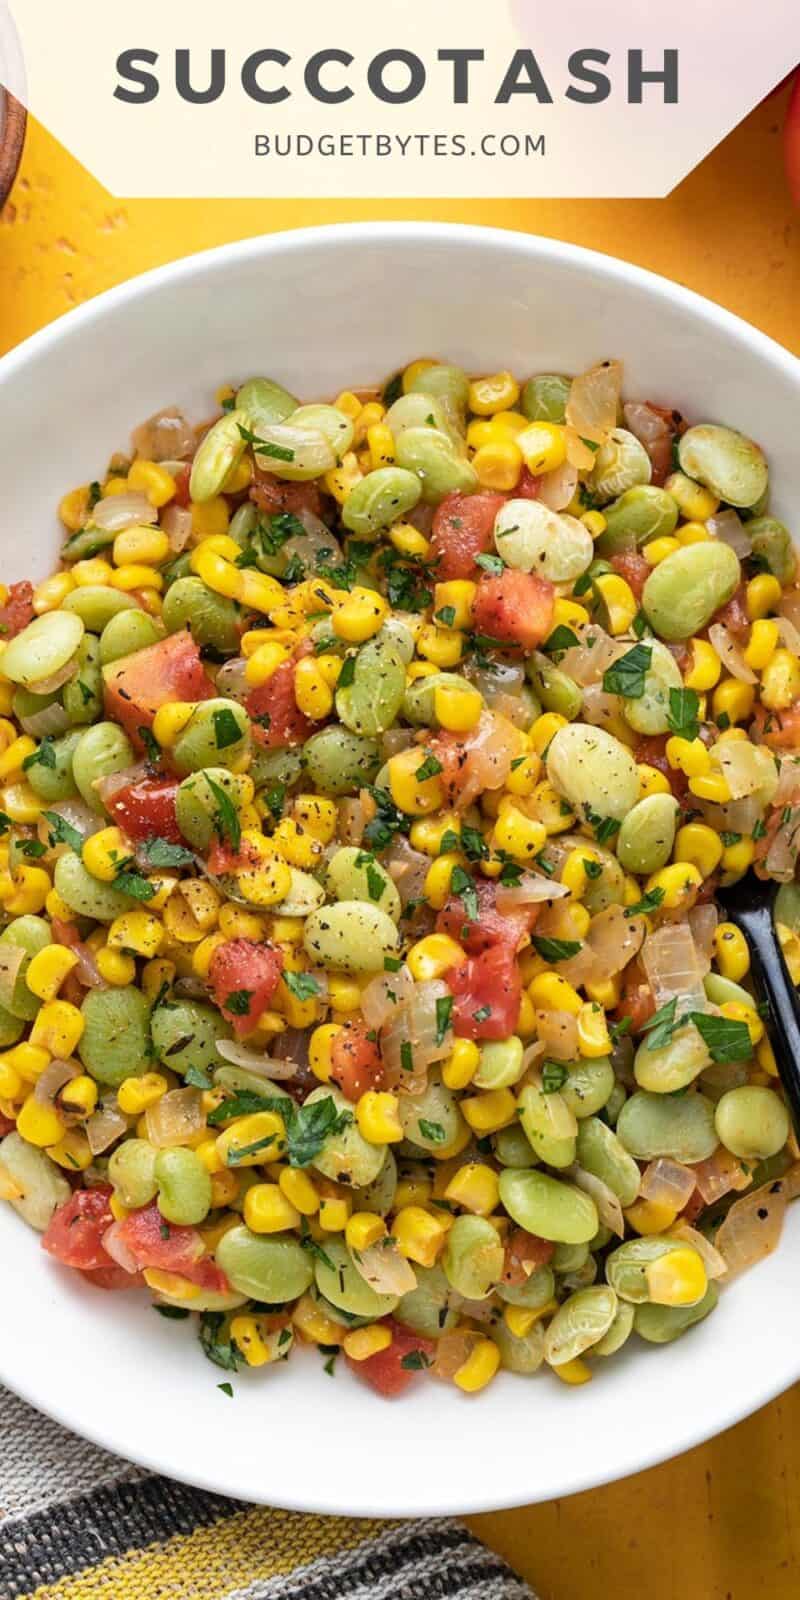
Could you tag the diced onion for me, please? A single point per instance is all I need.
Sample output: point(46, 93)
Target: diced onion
point(558, 1032)
point(277, 1067)
point(715, 1264)
point(56, 1074)
point(105, 1126)
point(718, 1174)
point(557, 488)
point(408, 869)
point(56, 679)
point(415, 1023)
point(752, 1228)
point(11, 959)
point(176, 522)
point(48, 723)
point(727, 526)
point(590, 658)
point(383, 994)
point(670, 961)
point(609, 1209)
point(788, 634)
point(118, 1249)
point(730, 654)
point(120, 511)
point(653, 431)
point(167, 436)
point(668, 1183)
point(703, 924)
point(175, 1119)
point(532, 890)
point(781, 858)
point(384, 1269)
point(740, 763)
point(110, 785)
point(593, 400)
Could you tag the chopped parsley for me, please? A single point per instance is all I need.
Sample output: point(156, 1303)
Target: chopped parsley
point(494, 565)
point(555, 949)
point(215, 1344)
point(275, 797)
point(430, 768)
point(462, 884)
point(415, 1361)
point(62, 832)
point(725, 1039)
point(43, 756)
point(307, 1127)
point(226, 817)
point(432, 1131)
point(444, 1011)
point(388, 820)
point(561, 639)
point(161, 853)
point(226, 728)
point(303, 985)
point(683, 716)
point(134, 884)
point(446, 615)
point(554, 1076)
point(238, 1002)
point(347, 673)
point(649, 902)
point(263, 447)
point(627, 675)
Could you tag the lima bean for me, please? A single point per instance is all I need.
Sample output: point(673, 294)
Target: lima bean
point(500, 1064)
point(686, 588)
point(619, 1332)
point(132, 1171)
point(85, 895)
point(370, 702)
point(184, 1187)
point(265, 401)
point(332, 423)
point(115, 1043)
point(30, 934)
point(220, 451)
point(473, 1257)
point(185, 1034)
point(354, 874)
point(548, 1124)
point(581, 1322)
point(601, 1152)
point(675, 1065)
point(544, 398)
point(101, 750)
point(593, 770)
point(305, 895)
point(532, 538)
point(638, 515)
point(647, 835)
point(213, 619)
point(537, 1290)
point(649, 714)
point(43, 1184)
point(437, 464)
point(521, 1355)
point(351, 936)
point(270, 1268)
point(217, 734)
point(662, 1324)
point(752, 1122)
point(512, 1147)
point(651, 1125)
point(56, 782)
point(621, 463)
point(724, 461)
point(95, 604)
point(126, 632)
point(339, 761)
point(42, 648)
point(427, 1310)
point(588, 1086)
point(346, 1156)
point(82, 696)
point(544, 1205)
point(555, 689)
point(772, 541)
point(438, 1109)
point(379, 499)
point(197, 807)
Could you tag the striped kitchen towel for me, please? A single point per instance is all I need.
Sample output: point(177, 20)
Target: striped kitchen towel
point(79, 1524)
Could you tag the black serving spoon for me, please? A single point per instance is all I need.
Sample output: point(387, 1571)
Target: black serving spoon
point(749, 905)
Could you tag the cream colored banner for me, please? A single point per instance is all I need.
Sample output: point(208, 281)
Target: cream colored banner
point(401, 98)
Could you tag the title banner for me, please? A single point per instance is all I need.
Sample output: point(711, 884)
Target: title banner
point(409, 98)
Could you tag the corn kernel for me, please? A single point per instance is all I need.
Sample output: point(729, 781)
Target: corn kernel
point(246, 1333)
point(432, 956)
point(28, 1060)
point(765, 1056)
point(267, 1209)
point(320, 1050)
point(334, 1211)
point(677, 1278)
point(428, 832)
point(733, 700)
point(544, 446)
point(524, 776)
point(544, 730)
point(39, 1124)
point(456, 596)
point(74, 508)
point(692, 500)
point(136, 1095)
point(170, 721)
point(299, 1190)
point(419, 1235)
point(780, 681)
point(595, 522)
point(593, 1036)
point(700, 845)
point(519, 836)
point(480, 1366)
point(50, 594)
point(762, 645)
point(139, 931)
point(378, 1117)
point(461, 1065)
point(575, 1372)
point(762, 596)
point(705, 668)
point(72, 1151)
point(104, 853)
point(313, 1325)
point(58, 1027)
point(689, 756)
point(488, 1112)
point(732, 951)
point(442, 646)
point(736, 858)
point(649, 1216)
point(253, 1140)
point(657, 550)
point(152, 480)
point(14, 754)
point(89, 573)
point(132, 577)
point(10, 1082)
point(115, 967)
point(737, 1011)
point(498, 464)
point(360, 615)
point(550, 992)
point(498, 392)
point(361, 1343)
point(414, 795)
point(620, 601)
point(48, 969)
point(475, 1188)
point(713, 786)
point(679, 883)
point(363, 1229)
point(409, 541)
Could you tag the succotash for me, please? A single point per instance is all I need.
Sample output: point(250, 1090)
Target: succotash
point(367, 772)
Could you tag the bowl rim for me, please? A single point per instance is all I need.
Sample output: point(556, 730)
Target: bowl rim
point(330, 237)
point(13, 121)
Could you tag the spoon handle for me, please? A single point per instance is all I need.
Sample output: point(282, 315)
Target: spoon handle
point(772, 977)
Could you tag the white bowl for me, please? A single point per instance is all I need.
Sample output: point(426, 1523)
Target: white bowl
point(320, 310)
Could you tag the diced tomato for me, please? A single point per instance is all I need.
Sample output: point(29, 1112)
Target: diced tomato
point(114, 1277)
point(516, 608)
point(152, 1242)
point(277, 720)
point(524, 1253)
point(490, 927)
point(386, 1372)
point(462, 529)
point(652, 752)
point(356, 1061)
point(274, 496)
point(137, 686)
point(476, 761)
point(6, 1125)
point(18, 610)
point(637, 1000)
point(633, 568)
point(182, 481)
point(487, 990)
point(74, 1234)
point(64, 933)
point(222, 860)
point(780, 730)
point(734, 615)
point(528, 486)
point(147, 809)
point(243, 977)
point(791, 142)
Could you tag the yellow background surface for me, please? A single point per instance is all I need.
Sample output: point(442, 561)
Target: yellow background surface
point(723, 1522)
